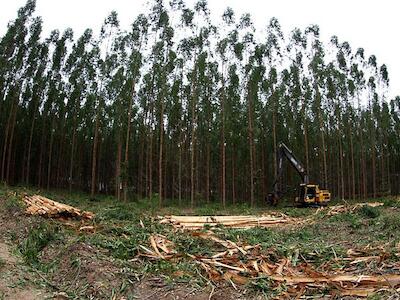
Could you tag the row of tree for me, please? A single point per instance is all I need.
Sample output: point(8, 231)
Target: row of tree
point(181, 108)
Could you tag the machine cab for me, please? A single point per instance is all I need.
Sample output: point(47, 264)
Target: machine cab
point(310, 193)
point(307, 193)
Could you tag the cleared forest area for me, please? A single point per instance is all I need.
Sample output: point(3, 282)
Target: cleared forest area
point(136, 163)
point(138, 251)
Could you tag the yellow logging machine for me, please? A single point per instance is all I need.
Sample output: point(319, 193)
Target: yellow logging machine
point(308, 194)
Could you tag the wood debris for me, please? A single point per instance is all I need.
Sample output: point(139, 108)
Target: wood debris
point(241, 263)
point(87, 228)
point(339, 209)
point(199, 222)
point(42, 206)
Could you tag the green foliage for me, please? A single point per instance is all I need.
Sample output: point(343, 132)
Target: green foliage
point(369, 212)
point(38, 238)
point(262, 284)
point(185, 243)
point(13, 204)
point(391, 223)
point(2, 263)
point(350, 218)
point(117, 213)
point(392, 202)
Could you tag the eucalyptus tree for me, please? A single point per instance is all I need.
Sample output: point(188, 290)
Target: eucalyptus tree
point(108, 30)
point(272, 53)
point(133, 61)
point(77, 69)
point(54, 98)
point(371, 115)
point(298, 105)
point(194, 52)
point(162, 59)
point(317, 75)
point(346, 92)
point(384, 128)
point(13, 52)
point(234, 121)
point(22, 113)
point(358, 77)
point(40, 53)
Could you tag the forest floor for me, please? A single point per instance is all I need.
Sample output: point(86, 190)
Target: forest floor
point(126, 253)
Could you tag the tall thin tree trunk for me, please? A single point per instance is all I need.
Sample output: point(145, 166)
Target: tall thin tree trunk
point(223, 145)
point(151, 165)
point(50, 154)
point(160, 158)
point(251, 142)
point(128, 132)
point(94, 155)
point(193, 139)
point(233, 175)
point(321, 129)
point(180, 173)
point(341, 166)
point(192, 163)
point(373, 169)
point(6, 136)
point(60, 157)
point(118, 169)
point(353, 176)
point(10, 146)
point(28, 160)
point(71, 162)
point(208, 172)
point(306, 137)
point(41, 155)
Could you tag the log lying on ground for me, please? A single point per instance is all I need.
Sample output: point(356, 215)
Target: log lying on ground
point(42, 206)
point(198, 222)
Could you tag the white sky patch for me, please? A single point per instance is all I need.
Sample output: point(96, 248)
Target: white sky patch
point(370, 24)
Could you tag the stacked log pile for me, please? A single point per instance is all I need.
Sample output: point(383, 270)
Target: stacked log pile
point(42, 206)
point(199, 222)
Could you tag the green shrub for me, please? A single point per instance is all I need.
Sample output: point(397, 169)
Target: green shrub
point(392, 222)
point(2, 263)
point(37, 239)
point(118, 213)
point(369, 212)
point(13, 204)
point(391, 202)
point(351, 218)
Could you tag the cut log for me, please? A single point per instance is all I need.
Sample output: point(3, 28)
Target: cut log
point(198, 222)
point(42, 206)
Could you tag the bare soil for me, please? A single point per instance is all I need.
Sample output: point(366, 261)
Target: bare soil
point(14, 282)
point(83, 271)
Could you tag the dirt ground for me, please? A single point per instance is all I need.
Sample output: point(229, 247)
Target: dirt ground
point(81, 265)
point(109, 263)
point(16, 282)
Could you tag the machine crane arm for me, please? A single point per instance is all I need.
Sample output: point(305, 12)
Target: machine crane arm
point(285, 152)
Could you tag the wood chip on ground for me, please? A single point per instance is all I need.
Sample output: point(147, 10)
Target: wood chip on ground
point(240, 264)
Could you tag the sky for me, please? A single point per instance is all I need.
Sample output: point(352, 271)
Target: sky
point(370, 24)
